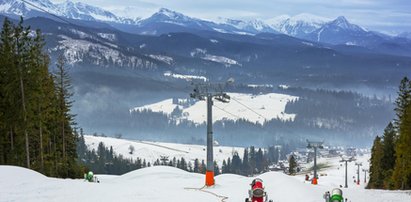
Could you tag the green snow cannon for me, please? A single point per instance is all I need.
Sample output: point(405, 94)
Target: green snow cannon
point(89, 176)
point(335, 196)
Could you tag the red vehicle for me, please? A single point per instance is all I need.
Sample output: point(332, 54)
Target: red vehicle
point(257, 193)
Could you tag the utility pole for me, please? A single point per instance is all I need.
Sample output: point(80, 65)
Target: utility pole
point(365, 175)
point(358, 172)
point(207, 92)
point(315, 145)
point(346, 162)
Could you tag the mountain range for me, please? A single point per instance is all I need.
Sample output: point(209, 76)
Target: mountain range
point(303, 26)
point(249, 50)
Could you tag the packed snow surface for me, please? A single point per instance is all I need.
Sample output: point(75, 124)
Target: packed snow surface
point(151, 151)
point(268, 106)
point(159, 184)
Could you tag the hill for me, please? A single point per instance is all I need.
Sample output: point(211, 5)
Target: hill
point(161, 184)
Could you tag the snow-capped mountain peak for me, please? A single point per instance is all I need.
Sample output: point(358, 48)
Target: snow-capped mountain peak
point(252, 26)
point(297, 25)
point(67, 9)
point(169, 13)
point(308, 19)
point(165, 15)
point(343, 23)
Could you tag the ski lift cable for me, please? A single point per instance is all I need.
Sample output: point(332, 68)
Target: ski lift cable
point(46, 11)
point(227, 112)
point(249, 108)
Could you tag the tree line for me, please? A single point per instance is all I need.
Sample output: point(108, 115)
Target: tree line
point(319, 113)
point(36, 126)
point(104, 160)
point(390, 163)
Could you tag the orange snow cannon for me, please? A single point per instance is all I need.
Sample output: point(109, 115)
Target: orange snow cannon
point(209, 178)
point(314, 181)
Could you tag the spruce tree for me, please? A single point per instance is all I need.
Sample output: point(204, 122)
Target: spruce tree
point(292, 165)
point(388, 158)
point(376, 173)
point(402, 101)
point(196, 168)
point(402, 169)
point(246, 165)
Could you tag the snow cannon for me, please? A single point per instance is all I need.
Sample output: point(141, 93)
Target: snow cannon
point(335, 196)
point(89, 176)
point(257, 193)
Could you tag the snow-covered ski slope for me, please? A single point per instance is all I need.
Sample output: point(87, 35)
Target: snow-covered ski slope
point(151, 151)
point(270, 106)
point(161, 184)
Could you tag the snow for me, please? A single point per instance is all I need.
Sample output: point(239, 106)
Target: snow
point(166, 59)
point(248, 25)
point(75, 50)
point(294, 25)
point(277, 21)
point(108, 36)
point(159, 184)
point(213, 41)
point(350, 43)
point(220, 30)
point(81, 34)
point(283, 86)
point(221, 59)
point(270, 106)
point(185, 77)
point(5, 7)
point(202, 53)
point(151, 151)
point(308, 19)
point(260, 85)
point(307, 43)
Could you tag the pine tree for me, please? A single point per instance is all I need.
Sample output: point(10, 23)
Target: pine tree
point(252, 159)
point(246, 170)
point(202, 168)
point(196, 166)
point(224, 168)
point(65, 118)
point(402, 101)
point(388, 158)
point(292, 165)
point(229, 167)
point(236, 164)
point(376, 172)
point(402, 169)
point(259, 158)
point(216, 169)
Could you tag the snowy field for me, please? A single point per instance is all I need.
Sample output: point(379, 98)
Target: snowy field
point(151, 151)
point(270, 106)
point(160, 184)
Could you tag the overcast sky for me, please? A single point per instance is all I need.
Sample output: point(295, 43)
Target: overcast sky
point(388, 16)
